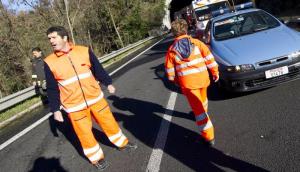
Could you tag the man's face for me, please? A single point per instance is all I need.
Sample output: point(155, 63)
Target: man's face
point(36, 54)
point(57, 42)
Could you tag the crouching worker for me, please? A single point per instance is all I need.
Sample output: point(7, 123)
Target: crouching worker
point(188, 63)
point(72, 74)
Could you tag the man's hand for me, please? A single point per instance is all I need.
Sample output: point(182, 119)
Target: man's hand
point(111, 89)
point(58, 116)
point(216, 78)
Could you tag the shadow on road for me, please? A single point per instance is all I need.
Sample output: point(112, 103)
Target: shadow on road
point(214, 93)
point(185, 146)
point(160, 73)
point(68, 132)
point(47, 165)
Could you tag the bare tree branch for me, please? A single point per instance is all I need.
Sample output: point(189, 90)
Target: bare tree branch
point(68, 19)
point(76, 12)
point(114, 24)
point(36, 9)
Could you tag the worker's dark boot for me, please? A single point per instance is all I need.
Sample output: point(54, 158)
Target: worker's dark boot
point(210, 143)
point(129, 147)
point(101, 165)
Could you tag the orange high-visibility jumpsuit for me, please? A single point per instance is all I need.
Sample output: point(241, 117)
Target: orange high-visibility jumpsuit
point(81, 97)
point(187, 61)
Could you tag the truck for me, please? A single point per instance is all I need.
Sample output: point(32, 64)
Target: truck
point(201, 13)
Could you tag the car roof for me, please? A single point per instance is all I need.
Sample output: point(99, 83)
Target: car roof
point(230, 14)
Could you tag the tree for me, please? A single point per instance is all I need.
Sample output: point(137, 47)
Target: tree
point(104, 25)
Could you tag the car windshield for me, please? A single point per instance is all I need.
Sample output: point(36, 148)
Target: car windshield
point(243, 24)
point(204, 13)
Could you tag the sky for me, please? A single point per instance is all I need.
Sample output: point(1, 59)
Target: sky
point(17, 7)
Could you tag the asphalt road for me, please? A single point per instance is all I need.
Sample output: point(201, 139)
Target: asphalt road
point(257, 131)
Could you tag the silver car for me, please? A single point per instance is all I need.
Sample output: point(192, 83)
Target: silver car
point(254, 49)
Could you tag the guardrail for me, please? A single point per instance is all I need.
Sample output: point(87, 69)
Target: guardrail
point(13, 99)
point(17, 97)
point(122, 50)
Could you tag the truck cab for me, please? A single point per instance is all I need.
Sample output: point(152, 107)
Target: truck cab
point(202, 10)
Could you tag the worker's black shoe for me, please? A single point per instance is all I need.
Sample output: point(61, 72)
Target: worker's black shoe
point(101, 165)
point(210, 143)
point(129, 147)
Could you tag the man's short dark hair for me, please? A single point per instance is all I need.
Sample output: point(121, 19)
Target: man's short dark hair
point(36, 49)
point(61, 31)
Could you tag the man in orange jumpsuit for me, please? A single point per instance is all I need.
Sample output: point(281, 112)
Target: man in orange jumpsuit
point(72, 75)
point(188, 62)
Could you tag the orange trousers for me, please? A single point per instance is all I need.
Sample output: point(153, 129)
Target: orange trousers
point(198, 101)
point(82, 124)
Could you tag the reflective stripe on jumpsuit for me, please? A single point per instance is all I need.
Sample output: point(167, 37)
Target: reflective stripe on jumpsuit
point(192, 75)
point(81, 97)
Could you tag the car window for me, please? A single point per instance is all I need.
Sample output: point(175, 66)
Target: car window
point(204, 13)
point(243, 24)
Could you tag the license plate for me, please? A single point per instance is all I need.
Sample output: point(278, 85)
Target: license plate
point(276, 72)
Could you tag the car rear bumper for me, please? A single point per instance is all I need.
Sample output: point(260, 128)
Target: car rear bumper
point(256, 80)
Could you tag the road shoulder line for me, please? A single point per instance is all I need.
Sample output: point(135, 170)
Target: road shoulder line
point(158, 150)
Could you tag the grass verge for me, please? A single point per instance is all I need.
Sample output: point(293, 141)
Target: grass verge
point(18, 108)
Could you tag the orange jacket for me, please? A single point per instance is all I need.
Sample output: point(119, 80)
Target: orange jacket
point(187, 61)
point(77, 86)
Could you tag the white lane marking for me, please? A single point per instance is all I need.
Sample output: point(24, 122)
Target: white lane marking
point(158, 150)
point(26, 130)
